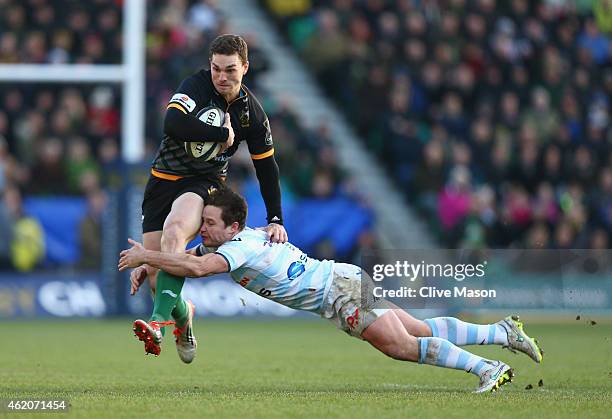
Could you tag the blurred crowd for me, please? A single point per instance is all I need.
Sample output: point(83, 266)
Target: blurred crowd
point(64, 139)
point(493, 116)
point(60, 31)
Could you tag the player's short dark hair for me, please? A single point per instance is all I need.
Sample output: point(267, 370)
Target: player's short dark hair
point(229, 44)
point(233, 206)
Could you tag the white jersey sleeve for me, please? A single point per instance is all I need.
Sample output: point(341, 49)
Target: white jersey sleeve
point(278, 271)
point(237, 252)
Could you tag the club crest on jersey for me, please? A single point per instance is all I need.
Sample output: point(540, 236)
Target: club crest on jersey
point(245, 121)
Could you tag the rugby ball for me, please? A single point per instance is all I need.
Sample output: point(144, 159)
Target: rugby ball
point(206, 150)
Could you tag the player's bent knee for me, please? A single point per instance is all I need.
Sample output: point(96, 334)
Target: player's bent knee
point(388, 335)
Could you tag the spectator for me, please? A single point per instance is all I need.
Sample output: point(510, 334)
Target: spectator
point(602, 200)
point(603, 15)
point(545, 208)
point(4, 164)
point(540, 116)
point(80, 165)
point(90, 229)
point(6, 232)
point(327, 49)
point(204, 17)
point(102, 112)
point(454, 202)
point(545, 71)
point(27, 247)
point(537, 237)
point(48, 176)
point(594, 42)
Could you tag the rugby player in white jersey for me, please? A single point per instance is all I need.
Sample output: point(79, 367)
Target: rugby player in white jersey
point(283, 273)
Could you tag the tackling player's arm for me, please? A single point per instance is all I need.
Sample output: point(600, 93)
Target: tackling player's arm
point(139, 274)
point(180, 264)
point(184, 264)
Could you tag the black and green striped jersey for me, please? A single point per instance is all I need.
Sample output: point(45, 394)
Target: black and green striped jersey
point(249, 121)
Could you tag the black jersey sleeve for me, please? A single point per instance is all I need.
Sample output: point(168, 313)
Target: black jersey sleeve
point(181, 123)
point(261, 148)
point(259, 138)
point(269, 184)
point(184, 127)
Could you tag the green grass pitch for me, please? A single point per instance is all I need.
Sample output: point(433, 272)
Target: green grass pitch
point(292, 368)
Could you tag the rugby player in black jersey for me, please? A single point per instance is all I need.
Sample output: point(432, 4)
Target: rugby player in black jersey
point(179, 184)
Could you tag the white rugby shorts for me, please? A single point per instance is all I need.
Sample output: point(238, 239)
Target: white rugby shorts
point(344, 305)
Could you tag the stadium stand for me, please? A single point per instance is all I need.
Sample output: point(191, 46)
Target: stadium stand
point(58, 141)
point(493, 117)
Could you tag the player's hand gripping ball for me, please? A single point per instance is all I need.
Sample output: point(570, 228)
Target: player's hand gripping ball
point(207, 150)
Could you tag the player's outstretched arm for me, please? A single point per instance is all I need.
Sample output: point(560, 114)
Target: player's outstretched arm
point(180, 264)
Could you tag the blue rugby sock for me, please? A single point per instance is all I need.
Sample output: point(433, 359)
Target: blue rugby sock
point(462, 333)
point(442, 353)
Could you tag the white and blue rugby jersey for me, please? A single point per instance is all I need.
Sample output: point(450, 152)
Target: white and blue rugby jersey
point(279, 272)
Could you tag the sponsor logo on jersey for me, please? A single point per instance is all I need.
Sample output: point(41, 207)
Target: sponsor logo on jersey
point(268, 132)
point(184, 100)
point(296, 269)
point(221, 158)
point(353, 320)
point(227, 154)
